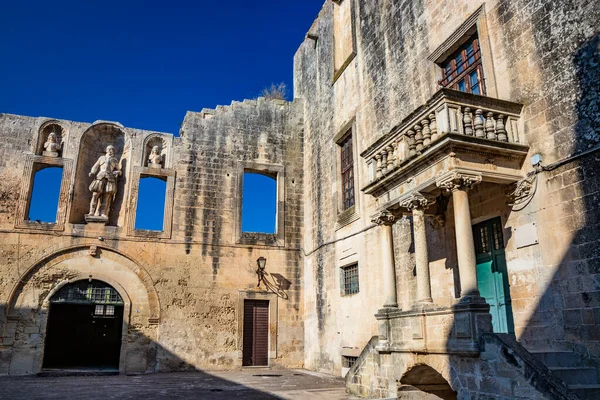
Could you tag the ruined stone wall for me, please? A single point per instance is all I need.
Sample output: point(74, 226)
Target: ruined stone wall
point(184, 287)
point(541, 54)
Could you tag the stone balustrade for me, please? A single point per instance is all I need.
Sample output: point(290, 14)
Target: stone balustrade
point(447, 112)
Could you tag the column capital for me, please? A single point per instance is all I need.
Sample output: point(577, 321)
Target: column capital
point(416, 200)
point(455, 180)
point(384, 217)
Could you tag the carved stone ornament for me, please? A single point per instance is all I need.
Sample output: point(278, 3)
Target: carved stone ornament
point(104, 187)
point(458, 180)
point(416, 200)
point(52, 146)
point(155, 158)
point(384, 218)
point(437, 221)
point(93, 250)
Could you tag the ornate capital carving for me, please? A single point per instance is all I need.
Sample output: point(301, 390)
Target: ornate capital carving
point(458, 180)
point(416, 200)
point(384, 218)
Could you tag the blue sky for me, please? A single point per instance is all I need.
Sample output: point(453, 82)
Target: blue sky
point(144, 63)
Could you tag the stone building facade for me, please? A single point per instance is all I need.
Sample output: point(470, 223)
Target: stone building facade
point(437, 212)
point(488, 190)
point(183, 288)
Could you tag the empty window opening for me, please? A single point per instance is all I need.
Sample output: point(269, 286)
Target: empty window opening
point(150, 210)
point(43, 205)
point(259, 203)
point(349, 278)
point(348, 361)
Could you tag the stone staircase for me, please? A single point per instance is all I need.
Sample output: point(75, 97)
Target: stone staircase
point(567, 366)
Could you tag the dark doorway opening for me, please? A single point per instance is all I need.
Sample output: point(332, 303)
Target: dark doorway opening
point(256, 333)
point(84, 329)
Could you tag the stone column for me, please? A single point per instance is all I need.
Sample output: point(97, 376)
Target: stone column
point(459, 184)
point(417, 203)
point(386, 219)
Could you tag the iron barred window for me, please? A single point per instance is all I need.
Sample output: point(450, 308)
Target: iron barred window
point(94, 292)
point(463, 69)
point(348, 361)
point(347, 169)
point(350, 279)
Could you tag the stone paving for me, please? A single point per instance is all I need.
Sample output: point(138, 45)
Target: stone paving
point(252, 384)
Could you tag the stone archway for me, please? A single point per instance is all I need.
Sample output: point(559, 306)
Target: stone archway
point(29, 301)
point(85, 327)
point(423, 382)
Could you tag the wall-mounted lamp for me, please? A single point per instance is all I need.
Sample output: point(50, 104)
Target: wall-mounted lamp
point(262, 263)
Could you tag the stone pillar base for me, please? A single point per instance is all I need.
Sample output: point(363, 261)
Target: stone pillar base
point(97, 219)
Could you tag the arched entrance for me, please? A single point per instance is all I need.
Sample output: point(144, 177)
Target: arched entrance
point(424, 382)
point(85, 324)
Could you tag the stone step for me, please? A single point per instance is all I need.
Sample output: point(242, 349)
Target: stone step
point(586, 392)
point(554, 359)
point(576, 375)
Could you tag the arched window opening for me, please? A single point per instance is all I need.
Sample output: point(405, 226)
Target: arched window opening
point(259, 203)
point(43, 203)
point(150, 211)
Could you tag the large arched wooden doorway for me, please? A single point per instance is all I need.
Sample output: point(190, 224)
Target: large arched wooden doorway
point(85, 324)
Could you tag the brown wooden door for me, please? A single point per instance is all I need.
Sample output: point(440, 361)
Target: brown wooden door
point(256, 333)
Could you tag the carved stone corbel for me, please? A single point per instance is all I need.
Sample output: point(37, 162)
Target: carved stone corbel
point(384, 217)
point(455, 180)
point(416, 200)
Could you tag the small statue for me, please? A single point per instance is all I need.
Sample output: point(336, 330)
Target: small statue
point(104, 186)
point(52, 146)
point(155, 158)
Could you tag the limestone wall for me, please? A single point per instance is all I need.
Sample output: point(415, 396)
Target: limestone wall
point(540, 54)
point(186, 285)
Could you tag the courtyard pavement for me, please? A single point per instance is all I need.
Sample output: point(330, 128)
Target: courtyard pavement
point(254, 383)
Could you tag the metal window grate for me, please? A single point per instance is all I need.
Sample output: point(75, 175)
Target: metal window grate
point(85, 292)
point(348, 361)
point(498, 236)
point(347, 168)
point(350, 279)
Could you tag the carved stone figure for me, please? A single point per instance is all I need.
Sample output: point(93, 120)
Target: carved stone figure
point(104, 187)
point(155, 158)
point(52, 146)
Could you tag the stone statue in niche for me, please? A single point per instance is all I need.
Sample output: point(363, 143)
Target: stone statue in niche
point(104, 187)
point(52, 146)
point(155, 159)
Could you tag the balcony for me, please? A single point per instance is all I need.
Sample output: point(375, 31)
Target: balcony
point(454, 132)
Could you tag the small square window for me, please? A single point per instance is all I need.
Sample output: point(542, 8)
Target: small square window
point(110, 310)
point(348, 361)
point(349, 279)
point(99, 310)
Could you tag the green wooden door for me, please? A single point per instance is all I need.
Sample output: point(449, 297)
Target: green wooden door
point(492, 276)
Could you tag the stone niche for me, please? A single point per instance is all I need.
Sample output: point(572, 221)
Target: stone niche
point(47, 146)
point(163, 144)
point(92, 146)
